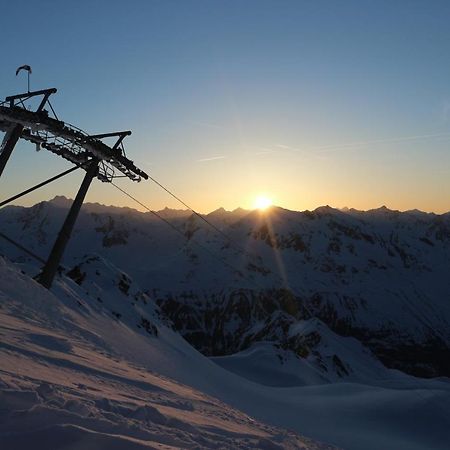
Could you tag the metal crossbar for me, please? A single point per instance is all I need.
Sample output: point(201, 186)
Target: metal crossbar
point(66, 140)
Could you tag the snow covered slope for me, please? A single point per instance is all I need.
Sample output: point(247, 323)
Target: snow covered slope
point(70, 378)
point(312, 354)
point(78, 369)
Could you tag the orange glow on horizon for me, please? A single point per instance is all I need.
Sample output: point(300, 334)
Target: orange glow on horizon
point(262, 202)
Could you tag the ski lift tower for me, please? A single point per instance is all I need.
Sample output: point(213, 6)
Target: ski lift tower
point(86, 151)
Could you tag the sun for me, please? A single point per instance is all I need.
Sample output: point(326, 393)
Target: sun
point(262, 202)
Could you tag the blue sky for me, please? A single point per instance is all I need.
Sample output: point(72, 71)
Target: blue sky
point(344, 103)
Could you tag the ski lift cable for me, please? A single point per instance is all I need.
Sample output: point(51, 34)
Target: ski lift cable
point(227, 237)
point(230, 266)
point(171, 225)
point(37, 186)
point(28, 252)
point(21, 247)
point(27, 191)
point(177, 230)
point(200, 216)
point(190, 209)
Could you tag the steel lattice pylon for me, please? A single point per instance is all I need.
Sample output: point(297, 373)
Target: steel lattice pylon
point(64, 139)
point(86, 151)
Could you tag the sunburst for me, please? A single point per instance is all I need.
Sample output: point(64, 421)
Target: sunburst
point(262, 202)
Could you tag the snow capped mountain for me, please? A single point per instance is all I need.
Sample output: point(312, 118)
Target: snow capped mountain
point(379, 276)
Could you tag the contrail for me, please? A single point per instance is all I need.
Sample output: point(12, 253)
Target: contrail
point(381, 141)
point(323, 149)
point(213, 158)
point(262, 151)
point(306, 151)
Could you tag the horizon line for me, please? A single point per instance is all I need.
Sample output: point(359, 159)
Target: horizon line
point(340, 209)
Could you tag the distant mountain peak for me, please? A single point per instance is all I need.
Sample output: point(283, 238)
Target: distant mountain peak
point(173, 213)
point(240, 210)
point(384, 210)
point(326, 209)
point(418, 212)
point(61, 201)
point(217, 211)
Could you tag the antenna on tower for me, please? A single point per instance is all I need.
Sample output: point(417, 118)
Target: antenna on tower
point(27, 68)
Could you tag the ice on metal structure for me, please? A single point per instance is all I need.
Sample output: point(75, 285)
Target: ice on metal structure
point(66, 140)
point(89, 152)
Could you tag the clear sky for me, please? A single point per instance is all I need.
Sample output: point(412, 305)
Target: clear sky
point(345, 103)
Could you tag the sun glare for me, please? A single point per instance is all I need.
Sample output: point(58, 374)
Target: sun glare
point(262, 202)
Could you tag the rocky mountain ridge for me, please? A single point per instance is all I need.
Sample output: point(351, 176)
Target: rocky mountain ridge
point(379, 276)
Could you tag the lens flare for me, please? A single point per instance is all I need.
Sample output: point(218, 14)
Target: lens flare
point(262, 202)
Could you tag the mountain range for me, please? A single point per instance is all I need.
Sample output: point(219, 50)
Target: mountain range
point(379, 276)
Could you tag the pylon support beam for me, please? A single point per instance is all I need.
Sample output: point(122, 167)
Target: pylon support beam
point(48, 273)
point(37, 186)
point(87, 151)
point(8, 144)
point(15, 133)
point(25, 96)
point(113, 134)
